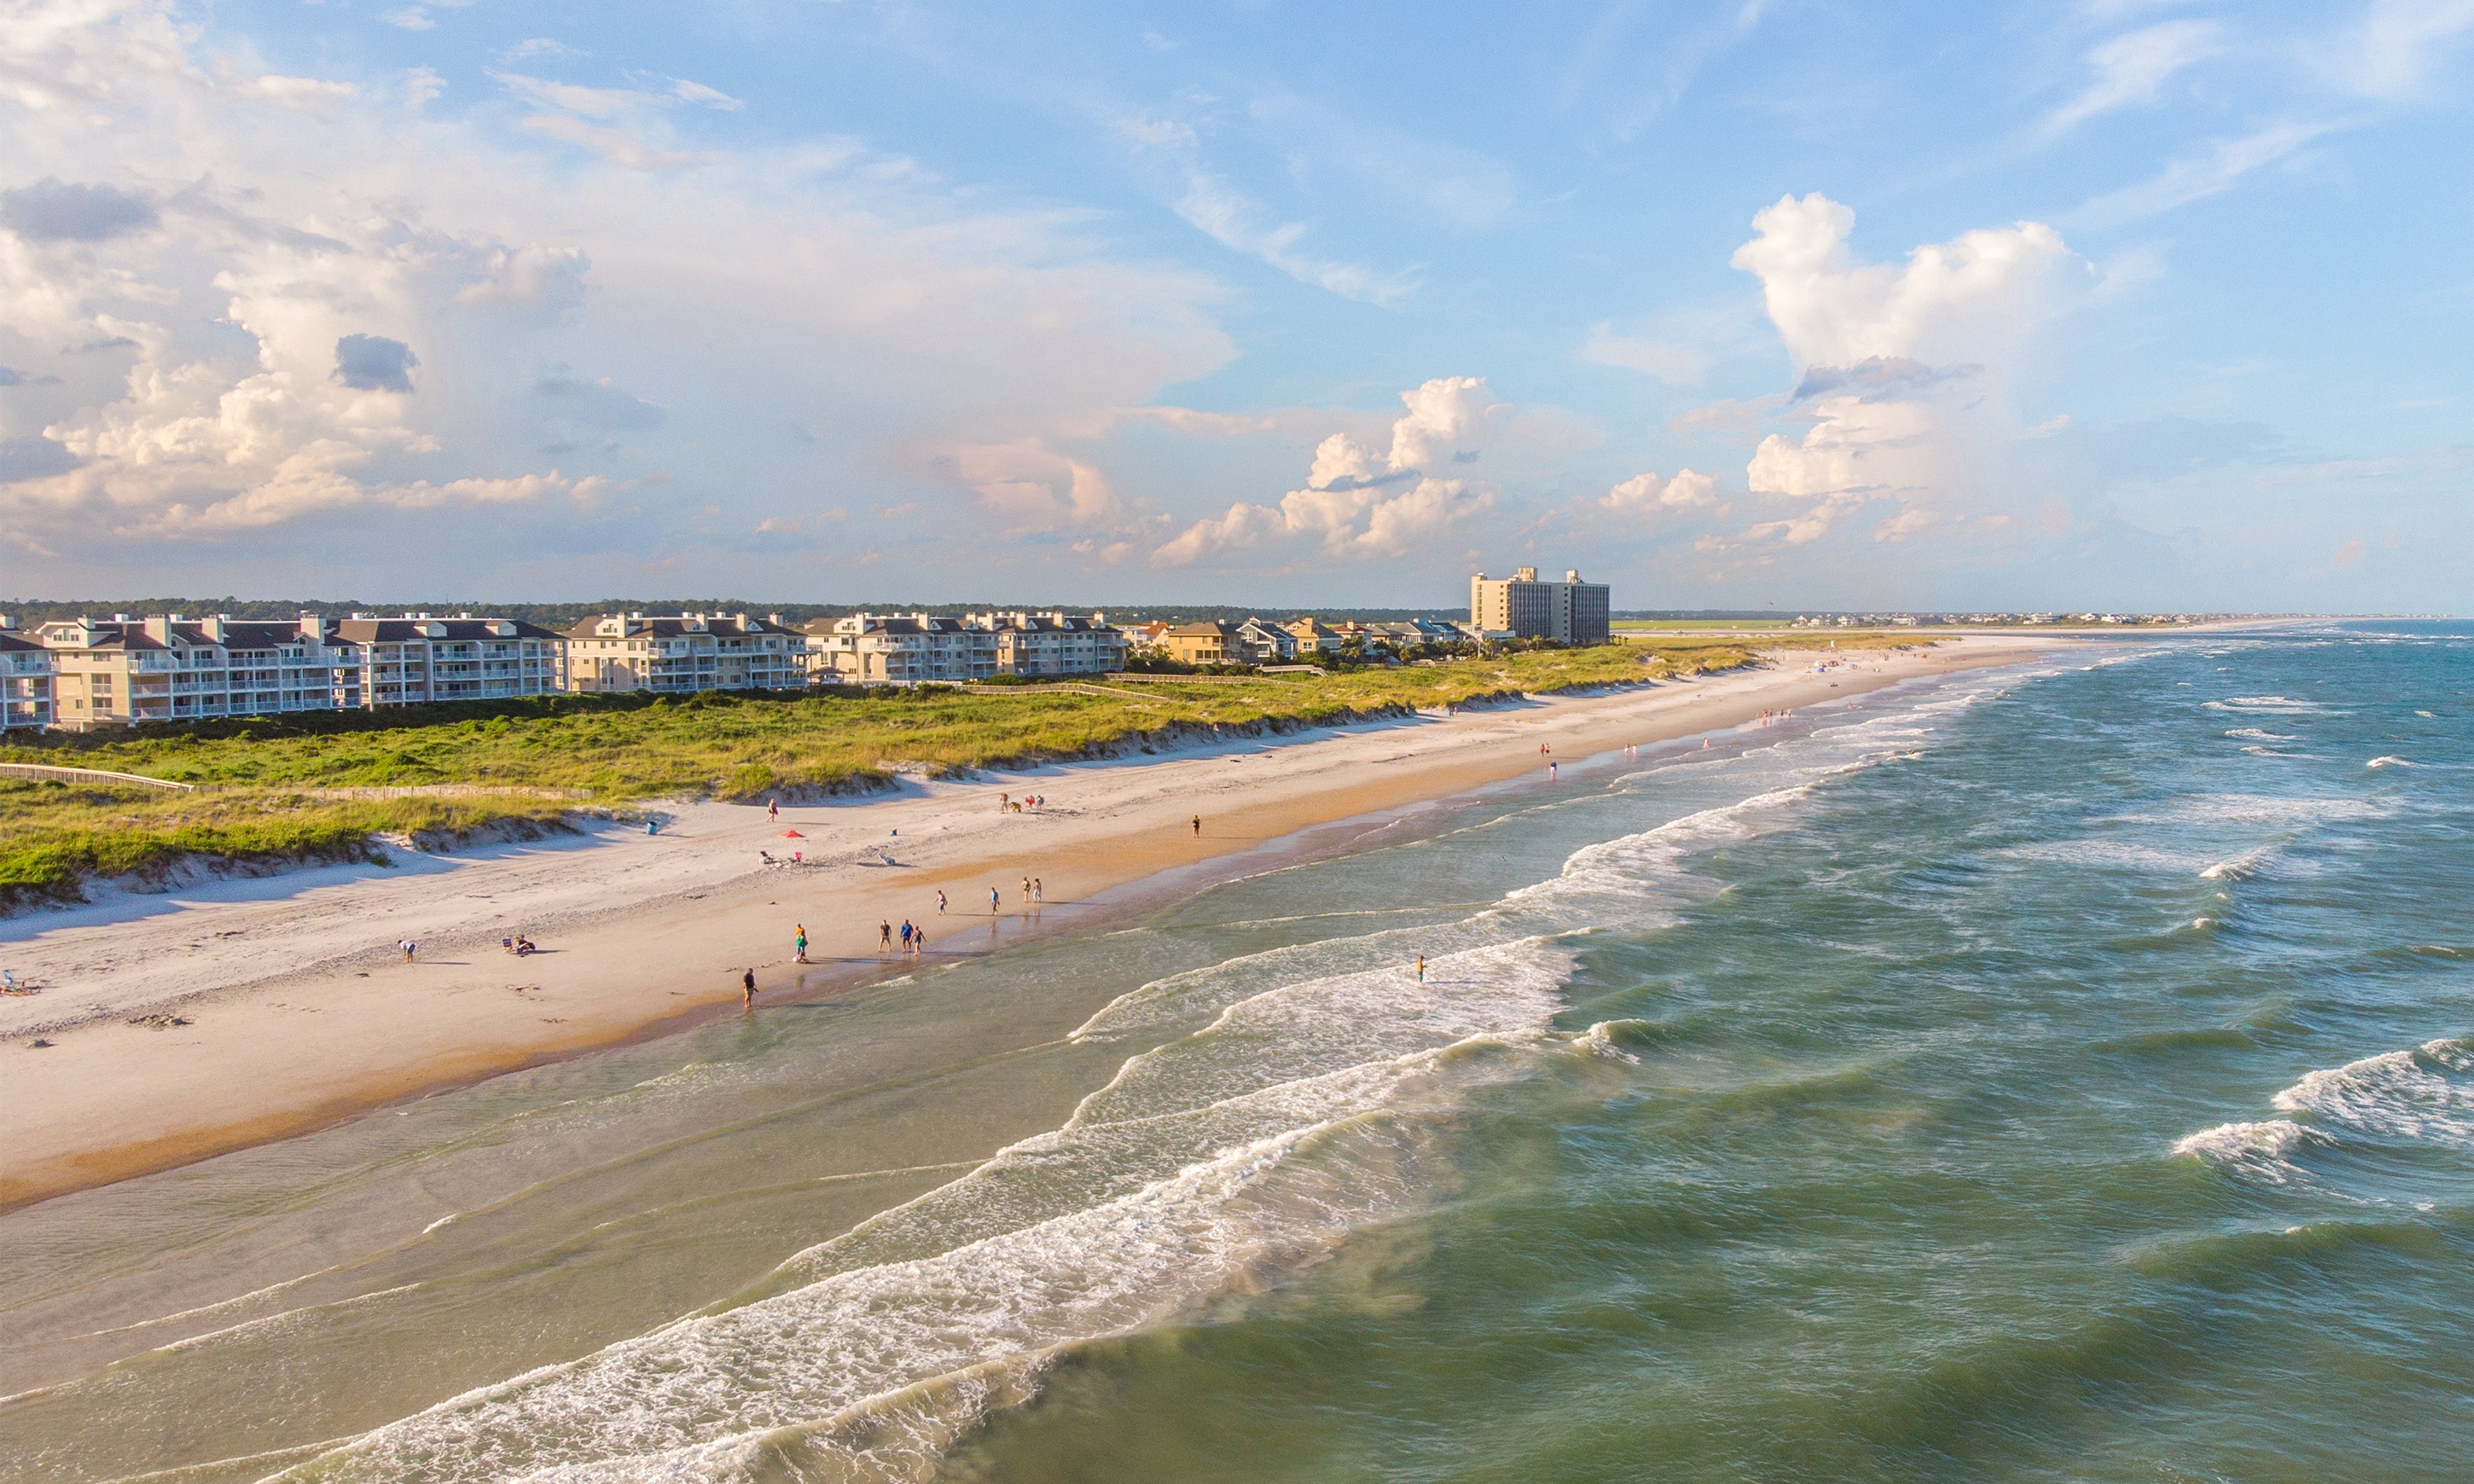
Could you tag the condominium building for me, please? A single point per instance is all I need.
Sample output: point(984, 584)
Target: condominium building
point(25, 680)
point(1572, 610)
point(1053, 643)
point(416, 658)
point(909, 649)
point(166, 667)
point(685, 651)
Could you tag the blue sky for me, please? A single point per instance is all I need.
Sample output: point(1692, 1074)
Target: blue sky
point(2122, 304)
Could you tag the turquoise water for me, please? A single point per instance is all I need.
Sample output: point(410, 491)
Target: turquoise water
point(2060, 1073)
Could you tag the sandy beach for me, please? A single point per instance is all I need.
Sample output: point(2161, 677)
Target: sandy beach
point(295, 1009)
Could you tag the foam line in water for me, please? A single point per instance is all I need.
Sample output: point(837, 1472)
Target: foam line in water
point(1282, 1111)
point(2423, 1094)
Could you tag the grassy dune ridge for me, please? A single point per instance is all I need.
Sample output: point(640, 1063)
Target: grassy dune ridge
point(269, 791)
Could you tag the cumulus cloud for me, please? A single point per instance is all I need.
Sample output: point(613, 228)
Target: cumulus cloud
point(338, 252)
point(1360, 504)
point(1879, 348)
point(1645, 494)
point(51, 210)
point(373, 362)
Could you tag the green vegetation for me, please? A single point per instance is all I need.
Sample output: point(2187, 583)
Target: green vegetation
point(304, 788)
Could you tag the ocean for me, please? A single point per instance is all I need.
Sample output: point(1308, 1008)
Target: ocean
point(2061, 1072)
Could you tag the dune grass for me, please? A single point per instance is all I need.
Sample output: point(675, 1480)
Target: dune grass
point(264, 787)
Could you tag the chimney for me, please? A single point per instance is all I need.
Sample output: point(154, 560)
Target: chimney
point(8, 620)
point(313, 626)
point(159, 628)
point(1571, 574)
point(212, 628)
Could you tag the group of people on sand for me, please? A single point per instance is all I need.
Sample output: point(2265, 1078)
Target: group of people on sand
point(914, 940)
point(520, 946)
point(1007, 803)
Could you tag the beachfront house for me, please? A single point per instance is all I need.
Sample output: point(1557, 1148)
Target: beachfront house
point(1202, 643)
point(1264, 643)
point(1313, 636)
point(685, 651)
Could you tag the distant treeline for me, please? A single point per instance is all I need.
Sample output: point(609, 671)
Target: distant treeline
point(560, 616)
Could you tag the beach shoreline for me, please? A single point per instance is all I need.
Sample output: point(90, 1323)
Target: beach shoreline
point(297, 1015)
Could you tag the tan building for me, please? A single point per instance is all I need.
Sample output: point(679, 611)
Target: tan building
point(25, 680)
point(166, 667)
point(1572, 610)
point(1314, 636)
point(1209, 643)
point(683, 652)
point(417, 658)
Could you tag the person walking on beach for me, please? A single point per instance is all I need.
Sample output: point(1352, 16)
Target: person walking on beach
point(905, 935)
point(940, 901)
point(799, 944)
point(1198, 827)
point(747, 982)
point(1038, 893)
point(1026, 891)
point(1421, 969)
point(995, 901)
point(773, 809)
point(883, 936)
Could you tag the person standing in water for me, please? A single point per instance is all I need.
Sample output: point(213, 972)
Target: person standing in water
point(996, 901)
point(940, 901)
point(747, 982)
point(883, 936)
point(1421, 969)
point(1038, 893)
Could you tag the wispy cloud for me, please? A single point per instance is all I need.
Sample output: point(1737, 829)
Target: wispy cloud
point(2131, 68)
point(2204, 171)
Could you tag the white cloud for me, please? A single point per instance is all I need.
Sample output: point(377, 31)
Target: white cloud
point(2399, 39)
point(419, 85)
point(1645, 494)
point(2131, 68)
point(1676, 365)
point(1962, 299)
point(410, 18)
point(1359, 504)
point(1234, 220)
point(1883, 351)
point(2204, 172)
point(848, 298)
point(711, 98)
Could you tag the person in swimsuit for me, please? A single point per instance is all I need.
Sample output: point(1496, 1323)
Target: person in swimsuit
point(748, 980)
